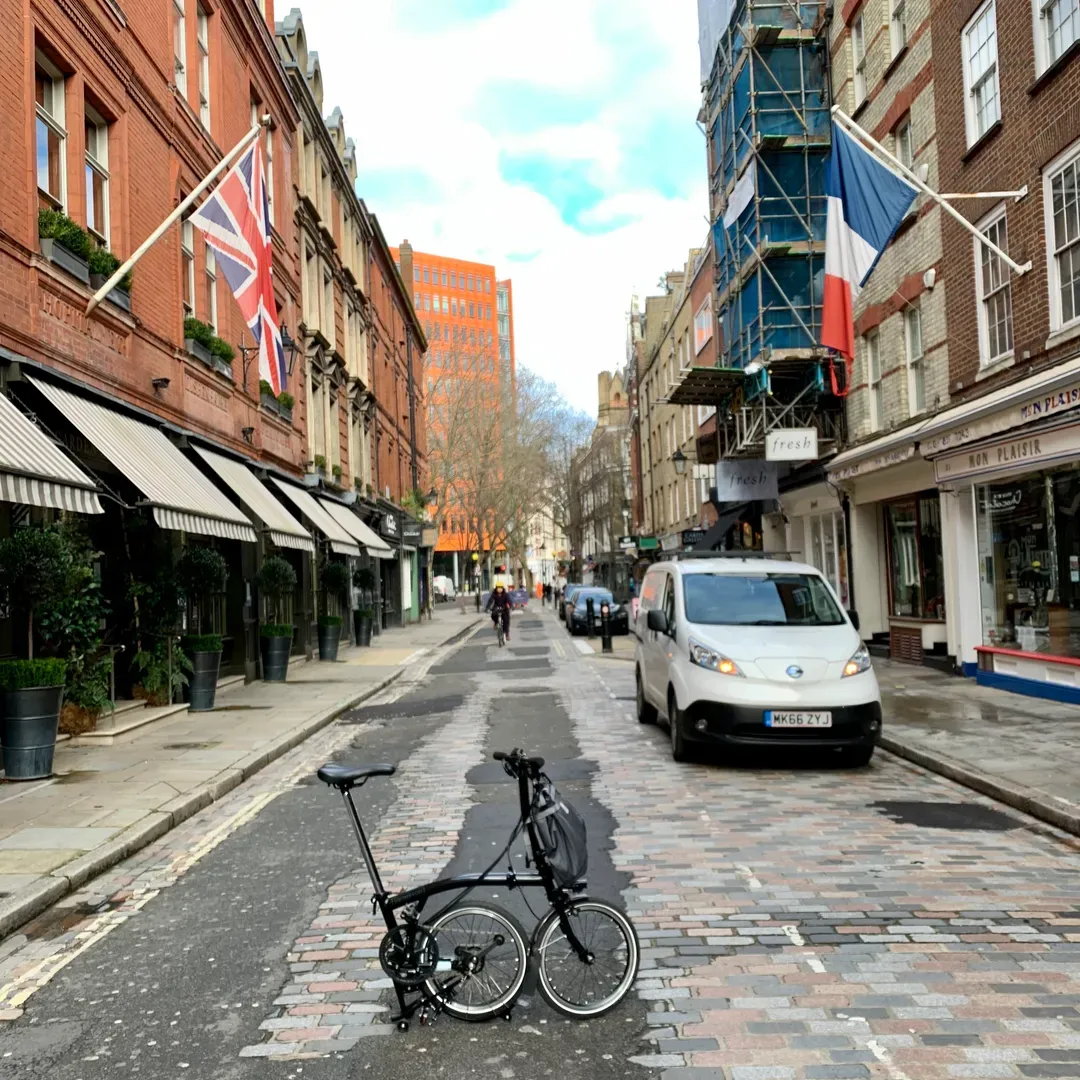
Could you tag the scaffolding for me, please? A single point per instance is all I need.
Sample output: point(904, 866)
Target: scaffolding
point(767, 101)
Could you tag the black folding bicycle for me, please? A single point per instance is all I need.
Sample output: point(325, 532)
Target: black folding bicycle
point(471, 959)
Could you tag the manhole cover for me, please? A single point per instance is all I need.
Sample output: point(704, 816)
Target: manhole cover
point(947, 815)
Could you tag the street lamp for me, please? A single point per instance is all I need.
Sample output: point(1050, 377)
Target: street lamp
point(679, 459)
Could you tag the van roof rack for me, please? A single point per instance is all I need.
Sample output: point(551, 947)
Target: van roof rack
point(744, 554)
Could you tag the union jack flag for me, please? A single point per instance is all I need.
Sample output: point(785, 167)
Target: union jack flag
point(235, 221)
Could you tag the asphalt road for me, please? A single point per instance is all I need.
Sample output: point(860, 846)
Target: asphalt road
point(798, 920)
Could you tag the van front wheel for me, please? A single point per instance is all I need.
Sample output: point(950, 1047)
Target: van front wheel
point(646, 713)
point(679, 749)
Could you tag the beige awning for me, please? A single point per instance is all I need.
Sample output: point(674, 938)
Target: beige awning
point(360, 532)
point(340, 541)
point(181, 497)
point(36, 472)
point(284, 529)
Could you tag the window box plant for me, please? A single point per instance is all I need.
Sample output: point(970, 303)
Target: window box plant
point(277, 580)
point(201, 342)
point(319, 461)
point(281, 405)
point(201, 573)
point(103, 264)
point(64, 244)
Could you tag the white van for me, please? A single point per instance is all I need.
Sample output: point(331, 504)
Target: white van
point(753, 651)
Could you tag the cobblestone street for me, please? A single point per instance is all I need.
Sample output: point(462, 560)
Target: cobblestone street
point(798, 921)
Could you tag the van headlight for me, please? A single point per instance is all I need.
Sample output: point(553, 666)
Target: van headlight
point(859, 663)
point(705, 657)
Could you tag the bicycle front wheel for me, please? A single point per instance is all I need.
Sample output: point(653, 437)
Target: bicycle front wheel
point(486, 955)
point(592, 985)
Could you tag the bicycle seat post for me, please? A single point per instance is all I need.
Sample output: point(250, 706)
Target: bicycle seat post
point(365, 850)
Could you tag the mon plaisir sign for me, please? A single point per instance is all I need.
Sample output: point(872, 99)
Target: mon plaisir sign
point(1010, 455)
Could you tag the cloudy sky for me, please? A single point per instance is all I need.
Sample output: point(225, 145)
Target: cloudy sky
point(553, 138)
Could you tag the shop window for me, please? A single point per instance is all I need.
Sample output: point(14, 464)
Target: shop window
point(828, 550)
point(916, 563)
point(1029, 562)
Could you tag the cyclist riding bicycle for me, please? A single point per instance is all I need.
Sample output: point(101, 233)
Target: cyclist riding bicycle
point(499, 606)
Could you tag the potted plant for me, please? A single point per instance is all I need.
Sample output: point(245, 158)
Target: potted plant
point(103, 264)
point(64, 243)
point(159, 664)
point(319, 461)
point(285, 402)
point(34, 572)
point(335, 580)
point(163, 671)
point(277, 579)
point(364, 616)
point(201, 573)
point(86, 692)
point(197, 338)
point(336, 472)
point(221, 356)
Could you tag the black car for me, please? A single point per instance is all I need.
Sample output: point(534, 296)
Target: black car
point(568, 588)
point(578, 617)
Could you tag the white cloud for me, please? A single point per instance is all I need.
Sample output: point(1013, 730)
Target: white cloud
point(409, 100)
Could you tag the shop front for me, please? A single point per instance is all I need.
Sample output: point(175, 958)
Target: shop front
point(392, 588)
point(812, 528)
point(1020, 497)
point(412, 535)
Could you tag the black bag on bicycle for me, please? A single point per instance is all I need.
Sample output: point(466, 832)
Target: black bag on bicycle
point(561, 832)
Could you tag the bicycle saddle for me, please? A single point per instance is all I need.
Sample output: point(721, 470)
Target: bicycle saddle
point(346, 776)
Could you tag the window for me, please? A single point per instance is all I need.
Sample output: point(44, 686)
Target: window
point(703, 327)
point(873, 379)
point(993, 288)
point(256, 118)
point(50, 134)
point(187, 266)
point(427, 302)
point(1057, 26)
point(445, 306)
point(759, 600)
point(487, 284)
point(858, 59)
point(470, 282)
point(180, 46)
point(328, 307)
point(444, 277)
point(983, 108)
point(202, 37)
point(453, 306)
point(898, 26)
point(913, 347)
point(828, 551)
point(472, 310)
point(97, 176)
point(453, 279)
point(1062, 210)
point(416, 273)
point(916, 564)
point(487, 311)
point(427, 277)
point(211, 288)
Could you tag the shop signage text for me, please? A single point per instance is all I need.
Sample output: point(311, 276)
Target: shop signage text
point(691, 536)
point(1010, 455)
point(791, 444)
point(738, 481)
point(879, 461)
point(411, 532)
point(389, 525)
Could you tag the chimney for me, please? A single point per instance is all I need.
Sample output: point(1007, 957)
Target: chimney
point(405, 257)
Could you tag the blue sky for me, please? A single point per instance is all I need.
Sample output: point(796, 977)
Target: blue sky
point(554, 138)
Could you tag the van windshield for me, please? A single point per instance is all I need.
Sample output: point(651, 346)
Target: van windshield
point(760, 600)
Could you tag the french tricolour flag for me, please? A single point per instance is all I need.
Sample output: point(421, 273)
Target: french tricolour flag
point(867, 202)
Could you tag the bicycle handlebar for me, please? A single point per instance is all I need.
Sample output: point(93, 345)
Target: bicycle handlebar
point(517, 758)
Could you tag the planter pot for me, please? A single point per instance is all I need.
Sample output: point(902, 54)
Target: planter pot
point(59, 255)
point(362, 625)
point(199, 351)
point(202, 683)
point(120, 297)
point(328, 642)
point(221, 365)
point(28, 731)
point(275, 658)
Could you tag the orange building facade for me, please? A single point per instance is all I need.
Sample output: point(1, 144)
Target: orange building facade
point(467, 315)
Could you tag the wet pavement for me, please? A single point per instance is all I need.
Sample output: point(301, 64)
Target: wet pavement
point(798, 920)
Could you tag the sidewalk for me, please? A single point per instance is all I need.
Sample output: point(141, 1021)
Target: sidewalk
point(112, 797)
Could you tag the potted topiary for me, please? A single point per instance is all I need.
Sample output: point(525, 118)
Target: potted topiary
point(277, 579)
point(201, 573)
point(64, 243)
point(335, 580)
point(34, 572)
point(364, 616)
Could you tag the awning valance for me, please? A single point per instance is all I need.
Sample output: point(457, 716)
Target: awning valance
point(360, 532)
point(340, 541)
point(181, 497)
point(284, 529)
point(36, 472)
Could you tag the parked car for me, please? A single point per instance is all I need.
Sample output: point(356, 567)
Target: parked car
point(753, 652)
point(519, 598)
point(567, 594)
point(578, 613)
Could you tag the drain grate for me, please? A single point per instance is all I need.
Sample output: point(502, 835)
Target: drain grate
point(189, 746)
point(947, 815)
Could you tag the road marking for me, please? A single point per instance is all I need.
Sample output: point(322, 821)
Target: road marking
point(748, 876)
point(584, 648)
point(793, 935)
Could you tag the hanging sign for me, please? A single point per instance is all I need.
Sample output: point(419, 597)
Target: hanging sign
point(740, 481)
point(791, 444)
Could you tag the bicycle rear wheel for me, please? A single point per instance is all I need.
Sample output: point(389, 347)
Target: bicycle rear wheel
point(489, 950)
point(593, 986)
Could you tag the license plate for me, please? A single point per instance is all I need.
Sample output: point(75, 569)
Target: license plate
point(778, 718)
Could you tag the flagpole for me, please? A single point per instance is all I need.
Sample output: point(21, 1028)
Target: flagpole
point(156, 235)
point(910, 175)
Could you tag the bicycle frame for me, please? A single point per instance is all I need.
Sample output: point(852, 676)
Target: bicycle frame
point(388, 904)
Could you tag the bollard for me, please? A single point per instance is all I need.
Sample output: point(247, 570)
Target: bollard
point(605, 628)
point(589, 610)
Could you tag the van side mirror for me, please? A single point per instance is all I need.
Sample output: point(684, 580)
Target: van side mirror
point(854, 617)
point(657, 621)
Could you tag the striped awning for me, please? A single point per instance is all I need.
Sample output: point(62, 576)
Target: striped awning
point(340, 541)
point(35, 471)
point(360, 532)
point(180, 496)
point(284, 529)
